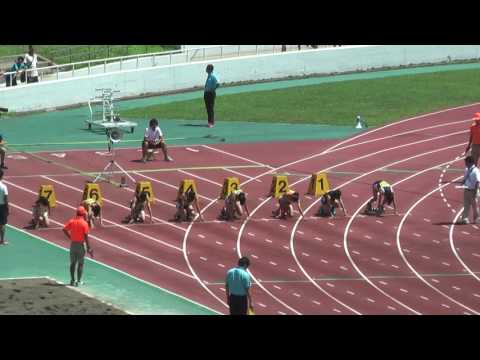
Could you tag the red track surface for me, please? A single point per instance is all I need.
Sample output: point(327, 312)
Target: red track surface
point(417, 263)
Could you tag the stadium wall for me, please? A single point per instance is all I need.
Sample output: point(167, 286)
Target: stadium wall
point(163, 79)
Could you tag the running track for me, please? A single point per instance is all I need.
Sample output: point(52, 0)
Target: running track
point(416, 263)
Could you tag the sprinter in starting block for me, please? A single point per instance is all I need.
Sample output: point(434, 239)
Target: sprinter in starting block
point(40, 213)
point(94, 212)
point(285, 205)
point(382, 194)
point(330, 202)
point(137, 209)
point(235, 206)
point(187, 207)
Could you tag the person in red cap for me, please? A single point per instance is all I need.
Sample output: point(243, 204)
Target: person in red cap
point(474, 141)
point(76, 229)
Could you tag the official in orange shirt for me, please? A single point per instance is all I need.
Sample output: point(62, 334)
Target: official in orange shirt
point(76, 229)
point(474, 142)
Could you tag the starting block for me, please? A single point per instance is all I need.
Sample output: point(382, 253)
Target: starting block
point(186, 185)
point(318, 185)
point(147, 187)
point(48, 192)
point(92, 191)
point(279, 186)
point(229, 185)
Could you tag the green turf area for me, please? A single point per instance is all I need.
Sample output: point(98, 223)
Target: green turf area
point(379, 101)
point(28, 256)
point(64, 54)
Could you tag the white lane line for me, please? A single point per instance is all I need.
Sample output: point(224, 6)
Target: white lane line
point(350, 292)
point(476, 295)
point(253, 256)
point(330, 285)
point(300, 232)
point(318, 239)
point(391, 308)
point(104, 219)
point(305, 254)
point(218, 243)
point(465, 233)
point(355, 195)
point(251, 234)
point(283, 226)
point(203, 258)
point(113, 245)
point(344, 268)
point(324, 261)
point(192, 150)
point(286, 247)
point(446, 306)
point(268, 241)
point(370, 300)
point(356, 252)
point(436, 241)
point(272, 263)
point(221, 265)
point(425, 257)
point(379, 222)
point(367, 237)
point(316, 302)
point(241, 174)
point(166, 184)
point(387, 243)
point(238, 157)
point(406, 251)
point(262, 305)
point(296, 295)
point(200, 178)
point(201, 236)
point(375, 259)
point(383, 283)
point(337, 245)
point(233, 227)
point(291, 270)
point(117, 204)
point(424, 298)
point(427, 220)
point(404, 290)
point(456, 288)
point(333, 148)
point(281, 313)
point(396, 266)
point(337, 310)
point(435, 281)
point(444, 263)
point(331, 224)
point(277, 287)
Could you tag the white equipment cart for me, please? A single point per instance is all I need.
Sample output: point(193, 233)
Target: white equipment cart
point(103, 114)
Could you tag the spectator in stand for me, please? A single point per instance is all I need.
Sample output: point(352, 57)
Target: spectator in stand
point(210, 94)
point(17, 68)
point(31, 63)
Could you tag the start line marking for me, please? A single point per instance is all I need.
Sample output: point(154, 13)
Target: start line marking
point(16, 157)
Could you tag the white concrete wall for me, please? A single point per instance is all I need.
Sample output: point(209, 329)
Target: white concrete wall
point(187, 76)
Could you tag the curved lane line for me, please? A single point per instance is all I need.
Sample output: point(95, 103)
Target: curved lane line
point(301, 180)
point(405, 259)
point(292, 235)
point(452, 245)
point(332, 148)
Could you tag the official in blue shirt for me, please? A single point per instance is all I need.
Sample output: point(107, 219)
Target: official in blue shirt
point(211, 86)
point(237, 285)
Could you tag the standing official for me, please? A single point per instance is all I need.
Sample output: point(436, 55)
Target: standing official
point(76, 230)
point(471, 182)
point(3, 209)
point(209, 95)
point(474, 141)
point(237, 286)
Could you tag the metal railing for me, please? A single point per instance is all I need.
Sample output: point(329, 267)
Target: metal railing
point(132, 62)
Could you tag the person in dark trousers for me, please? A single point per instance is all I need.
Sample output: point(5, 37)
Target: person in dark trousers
point(4, 210)
point(237, 286)
point(209, 95)
point(17, 68)
point(76, 229)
